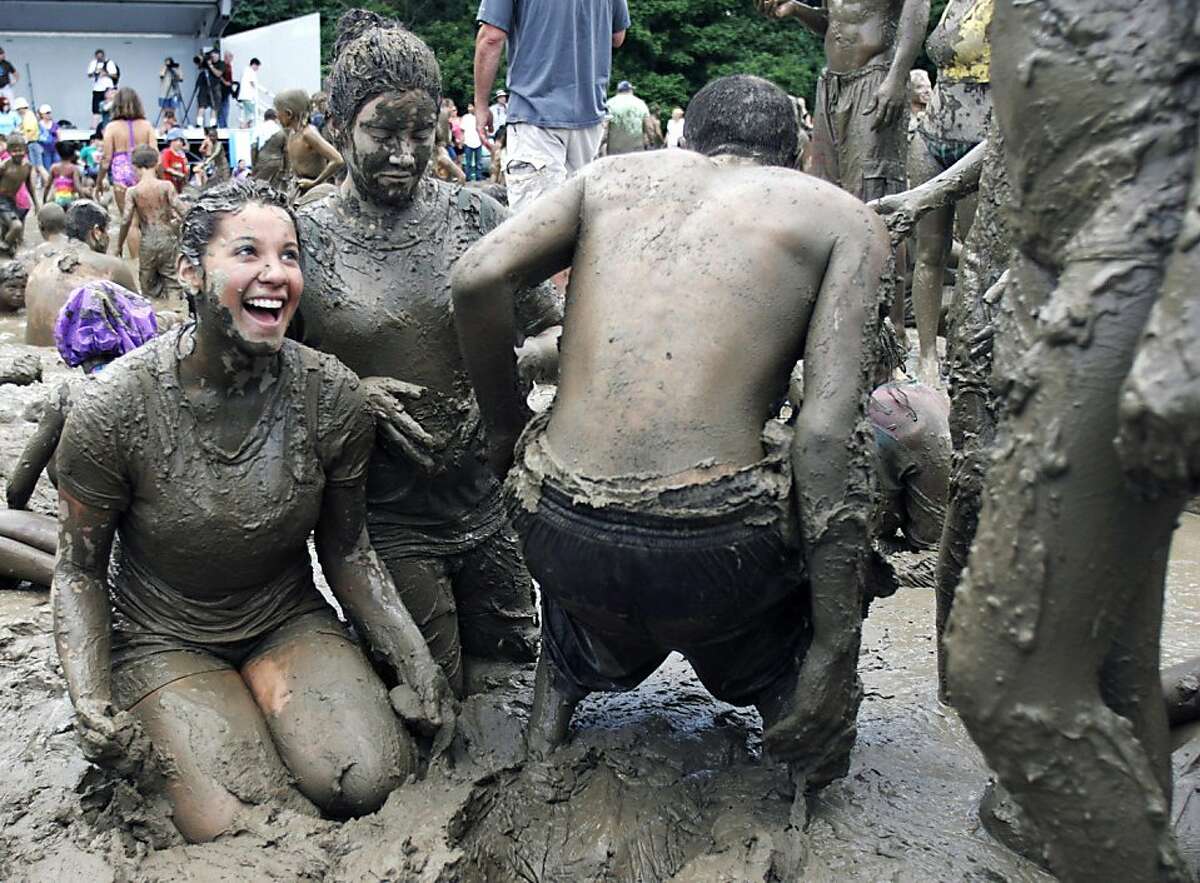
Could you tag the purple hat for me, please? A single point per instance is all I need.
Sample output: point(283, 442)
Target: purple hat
point(103, 320)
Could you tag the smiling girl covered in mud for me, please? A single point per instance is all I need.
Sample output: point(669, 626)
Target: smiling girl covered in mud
point(213, 452)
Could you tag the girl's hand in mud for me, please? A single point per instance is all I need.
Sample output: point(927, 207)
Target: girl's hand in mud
point(811, 735)
point(427, 705)
point(105, 734)
point(900, 211)
point(395, 427)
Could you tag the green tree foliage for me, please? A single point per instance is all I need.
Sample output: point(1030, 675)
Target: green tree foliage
point(672, 49)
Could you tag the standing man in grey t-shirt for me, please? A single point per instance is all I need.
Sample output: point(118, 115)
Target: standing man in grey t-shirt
point(559, 61)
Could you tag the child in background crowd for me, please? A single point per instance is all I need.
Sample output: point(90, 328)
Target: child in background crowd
point(65, 180)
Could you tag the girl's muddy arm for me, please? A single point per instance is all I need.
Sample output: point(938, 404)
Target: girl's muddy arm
point(37, 453)
point(49, 184)
point(365, 590)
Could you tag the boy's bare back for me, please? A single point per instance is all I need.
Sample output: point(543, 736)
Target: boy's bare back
point(153, 201)
point(693, 285)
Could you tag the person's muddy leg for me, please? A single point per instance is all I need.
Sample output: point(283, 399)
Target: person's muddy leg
point(1063, 546)
point(329, 716)
point(425, 588)
point(933, 235)
point(493, 593)
point(554, 702)
point(221, 754)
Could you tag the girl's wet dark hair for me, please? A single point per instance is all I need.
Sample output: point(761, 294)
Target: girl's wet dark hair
point(374, 55)
point(743, 116)
point(227, 197)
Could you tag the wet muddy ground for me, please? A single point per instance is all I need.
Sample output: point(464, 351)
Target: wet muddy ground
point(662, 783)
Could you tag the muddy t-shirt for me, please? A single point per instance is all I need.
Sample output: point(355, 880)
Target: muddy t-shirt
point(212, 539)
point(379, 300)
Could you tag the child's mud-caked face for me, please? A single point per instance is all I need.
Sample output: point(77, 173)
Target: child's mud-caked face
point(251, 278)
point(12, 294)
point(391, 144)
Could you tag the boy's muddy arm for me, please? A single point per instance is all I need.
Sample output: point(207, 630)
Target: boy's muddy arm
point(526, 249)
point(83, 626)
point(892, 98)
point(365, 590)
point(832, 467)
point(902, 211)
point(126, 222)
point(813, 18)
point(333, 159)
point(36, 454)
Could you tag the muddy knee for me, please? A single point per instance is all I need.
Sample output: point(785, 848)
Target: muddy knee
point(353, 776)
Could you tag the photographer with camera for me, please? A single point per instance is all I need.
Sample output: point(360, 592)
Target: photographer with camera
point(210, 86)
point(169, 95)
point(104, 74)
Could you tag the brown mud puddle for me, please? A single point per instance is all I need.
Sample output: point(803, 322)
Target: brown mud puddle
point(660, 784)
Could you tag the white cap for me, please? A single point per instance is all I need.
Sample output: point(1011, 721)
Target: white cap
point(20, 104)
point(45, 108)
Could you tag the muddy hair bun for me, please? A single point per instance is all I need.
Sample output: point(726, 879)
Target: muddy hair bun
point(373, 55)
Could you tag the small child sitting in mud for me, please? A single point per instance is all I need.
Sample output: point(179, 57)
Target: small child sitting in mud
point(99, 322)
point(13, 277)
point(155, 206)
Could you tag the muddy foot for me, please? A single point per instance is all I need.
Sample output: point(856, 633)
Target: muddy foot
point(1008, 824)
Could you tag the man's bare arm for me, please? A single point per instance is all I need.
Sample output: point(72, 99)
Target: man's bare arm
point(816, 19)
point(892, 97)
point(618, 39)
point(526, 249)
point(831, 460)
point(489, 45)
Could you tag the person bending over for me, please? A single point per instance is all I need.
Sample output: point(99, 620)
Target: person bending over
point(661, 505)
point(208, 630)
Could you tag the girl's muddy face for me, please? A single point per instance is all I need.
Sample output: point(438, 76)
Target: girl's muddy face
point(252, 278)
point(390, 145)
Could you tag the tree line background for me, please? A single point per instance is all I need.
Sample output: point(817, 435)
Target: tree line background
point(672, 49)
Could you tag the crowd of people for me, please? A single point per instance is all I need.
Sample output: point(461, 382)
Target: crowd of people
point(692, 488)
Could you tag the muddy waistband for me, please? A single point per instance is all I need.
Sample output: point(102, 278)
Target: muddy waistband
point(843, 77)
point(760, 493)
point(396, 534)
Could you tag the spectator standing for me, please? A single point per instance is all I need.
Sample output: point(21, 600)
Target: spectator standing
point(499, 111)
point(169, 79)
point(90, 156)
point(10, 120)
point(627, 128)
point(8, 76)
point(675, 128)
point(103, 73)
point(654, 129)
point(29, 129)
point(472, 146)
point(559, 62)
point(47, 136)
point(249, 93)
point(227, 90)
point(209, 88)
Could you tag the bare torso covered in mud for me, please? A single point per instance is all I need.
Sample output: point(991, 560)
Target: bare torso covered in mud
point(377, 296)
point(55, 277)
point(665, 399)
point(861, 32)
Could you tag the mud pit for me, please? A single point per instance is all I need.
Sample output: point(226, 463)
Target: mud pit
point(662, 783)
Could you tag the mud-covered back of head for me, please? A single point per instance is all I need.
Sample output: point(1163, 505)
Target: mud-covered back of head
point(743, 116)
point(12, 272)
point(83, 217)
point(374, 55)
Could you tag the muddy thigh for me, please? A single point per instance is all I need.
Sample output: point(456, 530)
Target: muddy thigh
point(331, 721)
point(221, 752)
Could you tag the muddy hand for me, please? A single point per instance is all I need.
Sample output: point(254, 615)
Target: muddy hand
point(812, 733)
point(397, 428)
point(429, 710)
point(900, 211)
point(104, 734)
point(887, 104)
point(773, 8)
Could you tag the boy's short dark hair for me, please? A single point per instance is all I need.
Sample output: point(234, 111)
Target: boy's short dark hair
point(745, 116)
point(145, 157)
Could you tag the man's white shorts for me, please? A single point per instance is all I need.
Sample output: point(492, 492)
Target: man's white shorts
point(540, 159)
